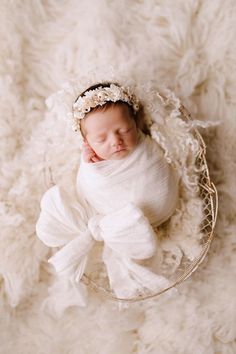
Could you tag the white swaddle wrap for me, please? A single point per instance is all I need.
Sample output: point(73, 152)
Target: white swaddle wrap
point(143, 178)
point(127, 197)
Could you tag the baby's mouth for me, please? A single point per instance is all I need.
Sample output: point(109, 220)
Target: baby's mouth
point(119, 150)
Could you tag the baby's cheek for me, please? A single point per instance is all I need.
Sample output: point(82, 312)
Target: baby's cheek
point(133, 140)
point(96, 148)
point(92, 145)
point(102, 152)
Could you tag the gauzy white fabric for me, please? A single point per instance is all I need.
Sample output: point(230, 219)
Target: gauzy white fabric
point(127, 235)
point(143, 178)
point(120, 193)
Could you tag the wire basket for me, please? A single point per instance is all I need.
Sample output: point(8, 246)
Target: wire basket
point(209, 197)
point(208, 194)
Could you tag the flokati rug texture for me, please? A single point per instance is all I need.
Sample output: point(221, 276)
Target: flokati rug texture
point(188, 46)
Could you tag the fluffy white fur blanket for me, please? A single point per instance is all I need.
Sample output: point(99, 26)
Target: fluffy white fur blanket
point(186, 45)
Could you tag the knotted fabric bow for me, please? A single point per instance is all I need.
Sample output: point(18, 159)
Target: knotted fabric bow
point(126, 233)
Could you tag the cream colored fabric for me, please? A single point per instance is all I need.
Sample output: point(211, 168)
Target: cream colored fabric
point(127, 235)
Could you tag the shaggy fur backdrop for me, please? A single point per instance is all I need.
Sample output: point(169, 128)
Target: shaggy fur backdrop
point(187, 45)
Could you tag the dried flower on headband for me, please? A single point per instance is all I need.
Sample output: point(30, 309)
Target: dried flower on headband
point(98, 97)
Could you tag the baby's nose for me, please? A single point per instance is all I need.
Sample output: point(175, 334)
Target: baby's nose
point(116, 140)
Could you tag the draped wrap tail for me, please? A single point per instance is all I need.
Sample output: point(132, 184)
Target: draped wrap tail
point(127, 236)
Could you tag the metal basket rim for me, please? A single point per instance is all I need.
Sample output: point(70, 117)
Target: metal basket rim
point(211, 189)
point(213, 196)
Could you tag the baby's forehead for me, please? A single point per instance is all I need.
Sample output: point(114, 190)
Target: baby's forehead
point(105, 119)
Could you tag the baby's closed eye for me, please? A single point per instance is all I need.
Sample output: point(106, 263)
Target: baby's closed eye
point(125, 130)
point(100, 141)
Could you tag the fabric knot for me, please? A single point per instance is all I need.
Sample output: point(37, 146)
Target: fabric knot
point(94, 227)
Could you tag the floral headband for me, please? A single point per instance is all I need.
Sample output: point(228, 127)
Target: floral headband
point(98, 97)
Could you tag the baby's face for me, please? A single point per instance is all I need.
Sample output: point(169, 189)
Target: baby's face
point(112, 133)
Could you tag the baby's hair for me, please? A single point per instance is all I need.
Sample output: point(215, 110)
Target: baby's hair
point(137, 116)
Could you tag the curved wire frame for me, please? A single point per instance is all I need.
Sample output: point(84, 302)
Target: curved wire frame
point(208, 193)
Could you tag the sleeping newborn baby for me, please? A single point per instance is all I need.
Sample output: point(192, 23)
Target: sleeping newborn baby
point(121, 164)
point(125, 179)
